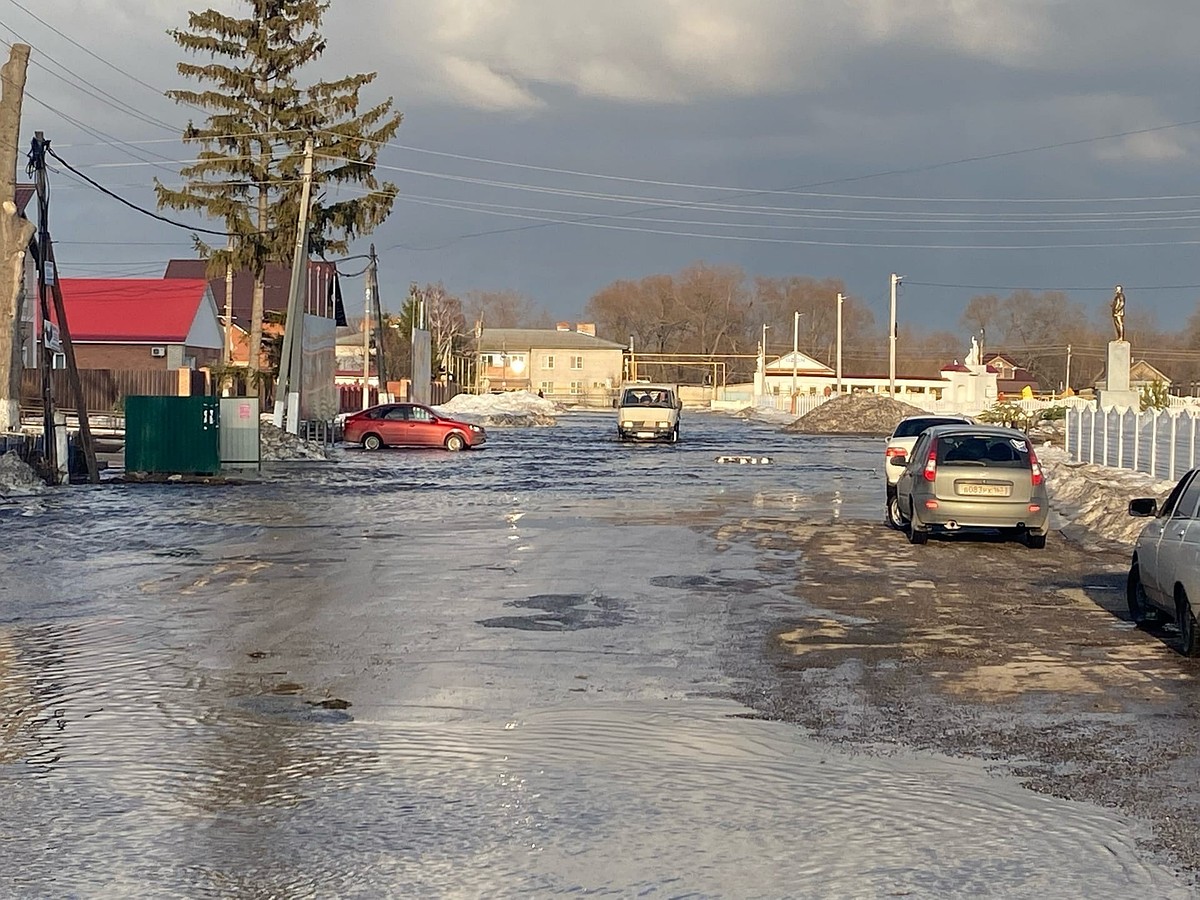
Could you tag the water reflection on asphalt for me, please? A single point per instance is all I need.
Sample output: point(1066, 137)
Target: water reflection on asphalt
point(477, 674)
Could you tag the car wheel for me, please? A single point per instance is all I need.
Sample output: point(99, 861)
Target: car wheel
point(1186, 620)
point(372, 442)
point(455, 442)
point(1035, 541)
point(915, 534)
point(894, 519)
point(1140, 611)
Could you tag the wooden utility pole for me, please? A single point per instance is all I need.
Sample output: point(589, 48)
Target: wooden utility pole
point(81, 410)
point(15, 232)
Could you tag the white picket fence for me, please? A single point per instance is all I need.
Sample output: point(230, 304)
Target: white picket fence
point(1161, 443)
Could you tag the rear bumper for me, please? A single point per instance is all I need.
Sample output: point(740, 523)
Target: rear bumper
point(957, 514)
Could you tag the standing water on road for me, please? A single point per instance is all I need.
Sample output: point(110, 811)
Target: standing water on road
point(473, 674)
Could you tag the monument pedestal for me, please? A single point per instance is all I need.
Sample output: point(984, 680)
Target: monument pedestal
point(1116, 391)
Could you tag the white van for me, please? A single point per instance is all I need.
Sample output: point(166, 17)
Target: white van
point(648, 412)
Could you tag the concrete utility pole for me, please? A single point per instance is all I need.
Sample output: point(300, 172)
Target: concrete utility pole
point(381, 368)
point(15, 233)
point(287, 385)
point(1068, 384)
point(896, 279)
point(368, 318)
point(840, 299)
point(229, 305)
point(795, 349)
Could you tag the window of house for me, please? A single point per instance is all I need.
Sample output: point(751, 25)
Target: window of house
point(576, 362)
point(548, 361)
point(577, 387)
point(547, 387)
point(60, 361)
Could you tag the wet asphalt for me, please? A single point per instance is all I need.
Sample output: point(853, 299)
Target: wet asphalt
point(567, 665)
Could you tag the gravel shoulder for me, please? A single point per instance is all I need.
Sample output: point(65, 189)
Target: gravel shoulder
point(984, 649)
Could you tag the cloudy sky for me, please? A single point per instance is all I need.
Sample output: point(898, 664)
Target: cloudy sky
point(553, 146)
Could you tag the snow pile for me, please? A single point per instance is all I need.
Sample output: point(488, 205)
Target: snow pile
point(512, 408)
point(1097, 497)
point(278, 445)
point(861, 413)
point(17, 478)
point(766, 414)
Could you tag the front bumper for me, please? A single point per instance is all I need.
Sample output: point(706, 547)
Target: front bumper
point(640, 432)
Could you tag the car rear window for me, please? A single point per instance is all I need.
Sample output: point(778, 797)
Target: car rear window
point(914, 427)
point(983, 450)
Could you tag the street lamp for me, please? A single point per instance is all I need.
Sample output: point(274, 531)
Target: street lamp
point(762, 361)
point(896, 279)
point(795, 348)
point(840, 299)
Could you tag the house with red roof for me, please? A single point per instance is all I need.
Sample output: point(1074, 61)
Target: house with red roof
point(142, 323)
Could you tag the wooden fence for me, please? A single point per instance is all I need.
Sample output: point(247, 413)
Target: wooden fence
point(105, 390)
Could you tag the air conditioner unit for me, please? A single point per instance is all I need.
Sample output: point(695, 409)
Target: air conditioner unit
point(158, 351)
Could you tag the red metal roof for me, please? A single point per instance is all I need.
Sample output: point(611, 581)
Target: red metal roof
point(132, 310)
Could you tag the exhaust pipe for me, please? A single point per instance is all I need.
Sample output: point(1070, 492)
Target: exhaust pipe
point(952, 525)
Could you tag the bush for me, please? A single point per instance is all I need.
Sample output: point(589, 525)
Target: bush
point(1154, 396)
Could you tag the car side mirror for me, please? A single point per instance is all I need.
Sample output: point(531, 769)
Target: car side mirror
point(898, 460)
point(1143, 507)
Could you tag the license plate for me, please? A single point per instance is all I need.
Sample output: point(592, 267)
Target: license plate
point(645, 434)
point(985, 490)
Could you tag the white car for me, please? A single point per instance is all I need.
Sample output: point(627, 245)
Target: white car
point(900, 444)
point(1164, 577)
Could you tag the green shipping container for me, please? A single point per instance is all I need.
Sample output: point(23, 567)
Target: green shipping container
point(173, 435)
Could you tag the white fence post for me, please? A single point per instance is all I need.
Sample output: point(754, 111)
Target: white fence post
point(1104, 453)
point(1121, 441)
point(1067, 431)
point(1092, 436)
point(1137, 438)
point(1171, 465)
point(1192, 443)
point(1153, 442)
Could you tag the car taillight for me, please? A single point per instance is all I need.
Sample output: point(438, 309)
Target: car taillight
point(931, 463)
point(1035, 468)
point(893, 451)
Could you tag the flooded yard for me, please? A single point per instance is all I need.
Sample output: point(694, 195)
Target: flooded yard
point(496, 673)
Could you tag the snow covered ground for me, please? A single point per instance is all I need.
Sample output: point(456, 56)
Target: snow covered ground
point(1096, 497)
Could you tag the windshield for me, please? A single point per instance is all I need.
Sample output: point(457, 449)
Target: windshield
point(649, 397)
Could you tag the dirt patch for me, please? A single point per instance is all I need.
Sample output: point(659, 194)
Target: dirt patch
point(862, 413)
point(983, 648)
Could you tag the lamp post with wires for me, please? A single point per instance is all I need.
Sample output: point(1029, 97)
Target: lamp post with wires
point(896, 279)
point(840, 299)
point(762, 361)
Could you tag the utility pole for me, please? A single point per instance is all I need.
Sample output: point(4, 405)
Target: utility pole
point(37, 165)
point(15, 234)
point(840, 299)
point(287, 384)
point(229, 304)
point(81, 410)
point(368, 318)
point(896, 279)
point(795, 350)
point(1067, 386)
point(380, 362)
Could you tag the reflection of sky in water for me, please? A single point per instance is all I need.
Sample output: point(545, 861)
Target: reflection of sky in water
point(478, 674)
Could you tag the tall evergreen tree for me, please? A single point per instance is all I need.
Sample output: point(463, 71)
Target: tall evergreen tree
point(247, 172)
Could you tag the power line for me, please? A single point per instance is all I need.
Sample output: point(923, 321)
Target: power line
point(102, 189)
point(1004, 287)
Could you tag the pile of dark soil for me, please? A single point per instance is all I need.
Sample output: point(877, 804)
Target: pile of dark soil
point(862, 413)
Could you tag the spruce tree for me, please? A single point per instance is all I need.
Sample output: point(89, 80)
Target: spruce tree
point(259, 114)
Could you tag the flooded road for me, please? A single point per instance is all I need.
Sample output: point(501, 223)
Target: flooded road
point(479, 674)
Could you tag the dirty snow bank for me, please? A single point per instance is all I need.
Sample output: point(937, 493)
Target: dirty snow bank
point(510, 409)
point(861, 413)
point(1097, 497)
point(278, 445)
point(17, 478)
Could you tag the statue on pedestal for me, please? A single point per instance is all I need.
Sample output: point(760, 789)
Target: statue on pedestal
point(1118, 313)
point(973, 357)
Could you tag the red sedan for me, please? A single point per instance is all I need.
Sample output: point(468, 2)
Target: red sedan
point(410, 425)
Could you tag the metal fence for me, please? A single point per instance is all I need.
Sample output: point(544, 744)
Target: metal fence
point(1161, 443)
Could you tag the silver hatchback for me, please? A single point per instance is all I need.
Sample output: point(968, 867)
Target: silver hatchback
point(972, 478)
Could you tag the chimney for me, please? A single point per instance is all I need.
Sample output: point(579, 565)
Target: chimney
point(588, 328)
point(563, 326)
